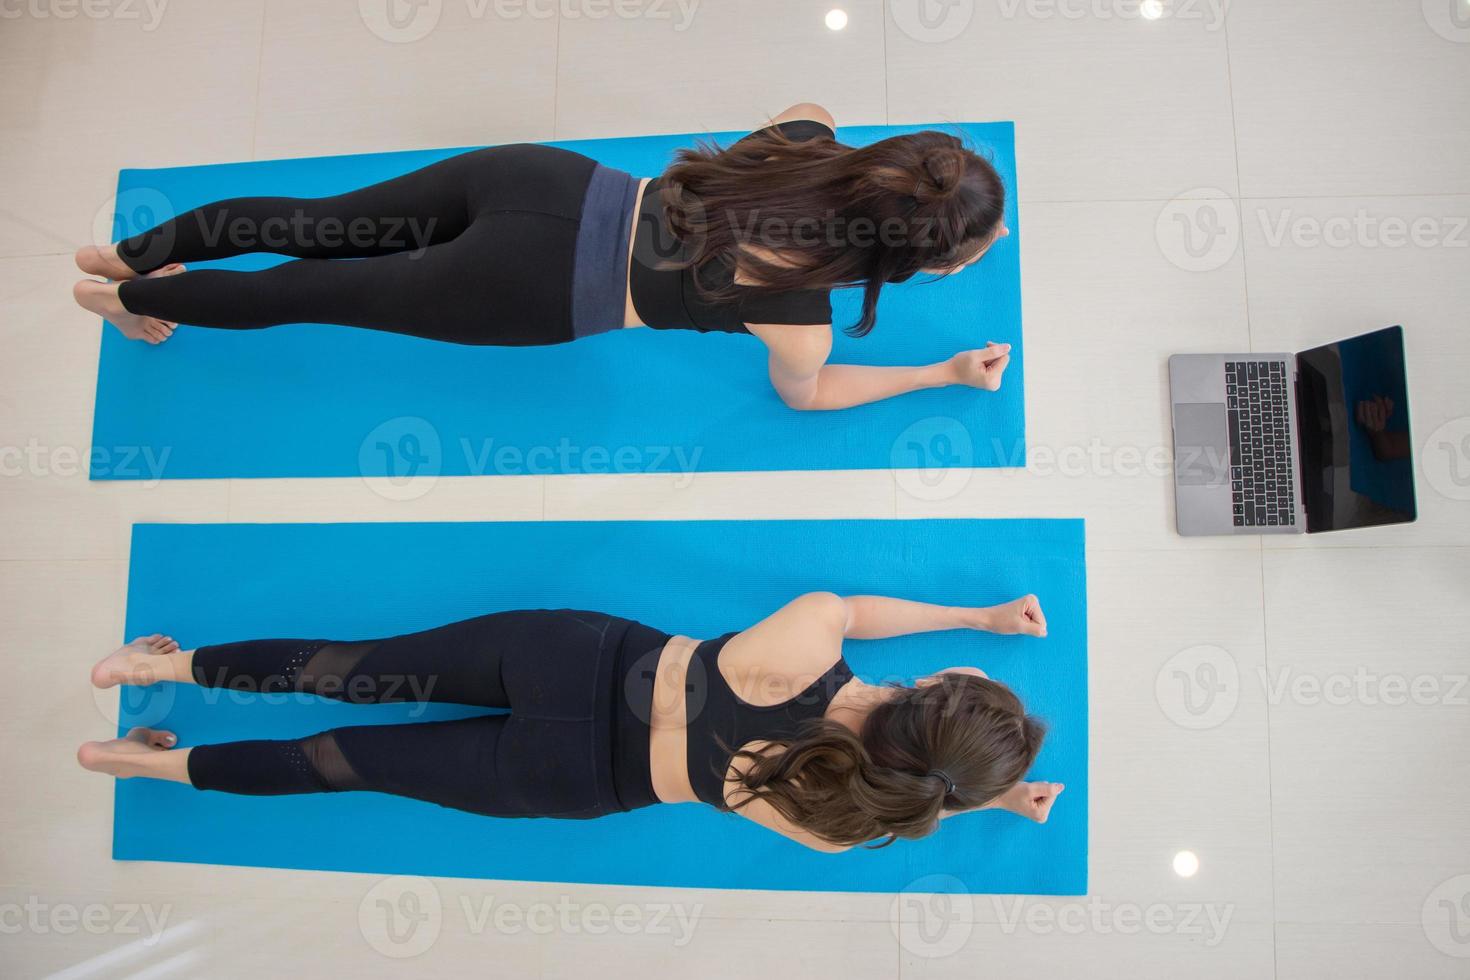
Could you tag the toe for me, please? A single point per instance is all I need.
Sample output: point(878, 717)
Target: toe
point(154, 738)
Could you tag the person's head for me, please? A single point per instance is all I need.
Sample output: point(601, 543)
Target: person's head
point(821, 215)
point(954, 741)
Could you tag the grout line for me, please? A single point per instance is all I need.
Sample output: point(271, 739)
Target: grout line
point(1245, 276)
point(887, 16)
point(259, 73)
point(556, 78)
point(1270, 784)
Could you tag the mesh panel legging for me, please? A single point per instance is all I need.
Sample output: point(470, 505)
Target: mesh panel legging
point(548, 757)
point(475, 249)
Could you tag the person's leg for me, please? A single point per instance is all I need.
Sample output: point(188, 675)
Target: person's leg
point(483, 661)
point(546, 759)
point(494, 765)
point(426, 207)
point(504, 282)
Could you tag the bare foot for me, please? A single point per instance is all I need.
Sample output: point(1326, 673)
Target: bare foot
point(131, 664)
point(115, 755)
point(102, 260)
point(101, 298)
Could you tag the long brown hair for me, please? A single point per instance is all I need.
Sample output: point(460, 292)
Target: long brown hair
point(956, 743)
point(882, 213)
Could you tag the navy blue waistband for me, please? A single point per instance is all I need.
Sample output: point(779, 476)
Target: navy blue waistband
point(600, 277)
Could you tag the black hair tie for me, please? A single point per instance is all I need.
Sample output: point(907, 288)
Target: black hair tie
point(948, 783)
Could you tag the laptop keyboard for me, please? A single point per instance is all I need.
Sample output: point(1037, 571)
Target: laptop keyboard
point(1260, 443)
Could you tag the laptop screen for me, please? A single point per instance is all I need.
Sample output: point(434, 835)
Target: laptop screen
point(1353, 427)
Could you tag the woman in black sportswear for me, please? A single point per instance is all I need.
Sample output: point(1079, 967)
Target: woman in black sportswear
point(607, 715)
point(528, 245)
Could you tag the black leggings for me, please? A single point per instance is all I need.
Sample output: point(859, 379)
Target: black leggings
point(551, 756)
point(475, 249)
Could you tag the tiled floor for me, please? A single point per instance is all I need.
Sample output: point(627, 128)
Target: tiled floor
point(1328, 808)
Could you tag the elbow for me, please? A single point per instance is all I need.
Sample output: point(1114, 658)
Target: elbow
point(804, 400)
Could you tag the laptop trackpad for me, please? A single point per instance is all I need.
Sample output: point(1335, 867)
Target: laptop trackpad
point(1201, 445)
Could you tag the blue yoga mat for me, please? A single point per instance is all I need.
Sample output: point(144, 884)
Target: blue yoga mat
point(316, 400)
point(215, 583)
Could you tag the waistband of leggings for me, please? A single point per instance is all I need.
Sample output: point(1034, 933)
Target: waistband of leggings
point(600, 272)
point(633, 679)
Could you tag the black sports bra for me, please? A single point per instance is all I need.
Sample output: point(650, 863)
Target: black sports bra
point(723, 723)
point(669, 299)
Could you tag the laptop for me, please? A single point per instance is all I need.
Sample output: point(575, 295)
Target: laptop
point(1293, 443)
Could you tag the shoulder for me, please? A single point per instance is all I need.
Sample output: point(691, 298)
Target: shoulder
point(803, 121)
point(805, 634)
point(807, 112)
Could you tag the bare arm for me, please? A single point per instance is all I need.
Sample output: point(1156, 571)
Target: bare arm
point(873, 617)
point(802, 377)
